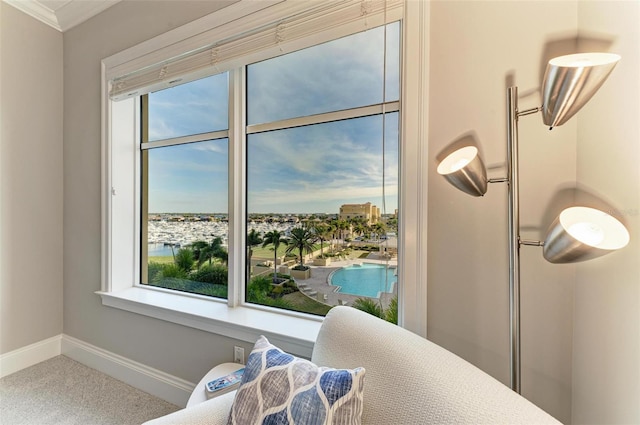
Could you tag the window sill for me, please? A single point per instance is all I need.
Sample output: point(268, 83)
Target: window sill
point(294, 334)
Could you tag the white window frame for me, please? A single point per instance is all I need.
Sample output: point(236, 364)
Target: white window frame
point(295, 332)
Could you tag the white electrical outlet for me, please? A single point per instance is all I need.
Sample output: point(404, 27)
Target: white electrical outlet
point(238, 355)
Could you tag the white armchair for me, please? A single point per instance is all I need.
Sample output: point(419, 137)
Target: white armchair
point(409, 380)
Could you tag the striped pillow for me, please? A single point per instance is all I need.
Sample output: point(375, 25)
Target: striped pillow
point(278, 388)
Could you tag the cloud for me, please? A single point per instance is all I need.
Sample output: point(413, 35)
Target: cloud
point(323, 151)
point(324, 199)
point(340, 74)
point(160, 130)
point(314, 168)
point(219, 148)
point(193, 175)
point(188, 202)
point(200, 106)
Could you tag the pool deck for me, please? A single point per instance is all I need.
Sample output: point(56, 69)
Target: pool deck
point(317, 286)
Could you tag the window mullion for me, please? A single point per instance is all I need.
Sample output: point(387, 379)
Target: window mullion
point(143, 180)
point(237, 198)
point(359, 112)
point(213, 135)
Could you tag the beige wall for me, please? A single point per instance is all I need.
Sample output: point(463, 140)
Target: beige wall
point(178, 350)
point(606, 359)
point(580, 323)
point(476, 47)
point(31, 180)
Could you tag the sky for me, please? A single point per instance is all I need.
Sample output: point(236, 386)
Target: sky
point(312, 169)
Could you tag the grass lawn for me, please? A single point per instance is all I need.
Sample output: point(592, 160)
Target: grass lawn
point(306, 304)
point(162, 260)
point(168, 259)
point(267, 251)
point(201, 288)
point(298, 301)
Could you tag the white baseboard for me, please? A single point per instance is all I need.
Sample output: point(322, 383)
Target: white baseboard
point(24, 357)
point(153, 381)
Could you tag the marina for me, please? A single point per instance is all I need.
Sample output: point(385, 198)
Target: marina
point(165, 232)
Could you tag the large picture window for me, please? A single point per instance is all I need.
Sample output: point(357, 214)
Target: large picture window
point(269, 123)
point(184, 211)
point(321, 179)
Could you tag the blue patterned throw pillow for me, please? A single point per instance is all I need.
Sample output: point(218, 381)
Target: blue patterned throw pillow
point(280, 389)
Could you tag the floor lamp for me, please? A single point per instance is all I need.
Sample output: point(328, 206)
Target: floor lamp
point(579, 233)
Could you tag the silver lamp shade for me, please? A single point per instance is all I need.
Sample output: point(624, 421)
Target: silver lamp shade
point(582, 233)
point(465, 170)
point(570, 81)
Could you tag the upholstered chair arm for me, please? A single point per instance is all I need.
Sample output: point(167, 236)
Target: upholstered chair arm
point(211, 412)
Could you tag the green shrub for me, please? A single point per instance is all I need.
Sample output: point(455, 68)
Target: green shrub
point(391, 313)
point(184, 259)
point(258, 287)
point(288, 290)
point(374, 308)
point(169, 271)
point(216, 273)
point(368, 306)
point(153, 268)
point(290, 284)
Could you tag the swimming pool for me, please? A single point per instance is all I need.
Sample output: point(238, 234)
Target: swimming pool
point(367, 280)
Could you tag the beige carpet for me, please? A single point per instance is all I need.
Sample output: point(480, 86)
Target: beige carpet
point(63, 391)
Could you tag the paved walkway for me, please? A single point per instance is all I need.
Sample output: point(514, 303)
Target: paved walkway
point(318, 288)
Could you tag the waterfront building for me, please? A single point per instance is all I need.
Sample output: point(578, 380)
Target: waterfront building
point(369, 212)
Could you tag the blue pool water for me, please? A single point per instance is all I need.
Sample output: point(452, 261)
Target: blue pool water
point(366, 280)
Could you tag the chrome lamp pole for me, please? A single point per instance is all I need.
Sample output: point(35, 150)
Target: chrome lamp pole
point(513, 179)
point(513, 219)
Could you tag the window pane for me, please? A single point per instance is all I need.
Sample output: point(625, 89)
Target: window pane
point(341, 74)
point(186, 228)
point(319, 188)
point(197, 107)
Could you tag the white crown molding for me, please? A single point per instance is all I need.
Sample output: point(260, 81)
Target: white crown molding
point(65, 15)
point(36, 10)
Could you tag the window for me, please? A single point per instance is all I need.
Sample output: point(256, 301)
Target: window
point(308, 145)
point(184, 164)
point(314, 142)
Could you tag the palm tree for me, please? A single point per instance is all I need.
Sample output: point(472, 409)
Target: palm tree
point(323, 232)
point(359, 228)
point(380, 229)
point(302, 239)
point(222, 254)
point(253, 239)
point(274, 238)
point(204, 251)
point(340, 226)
